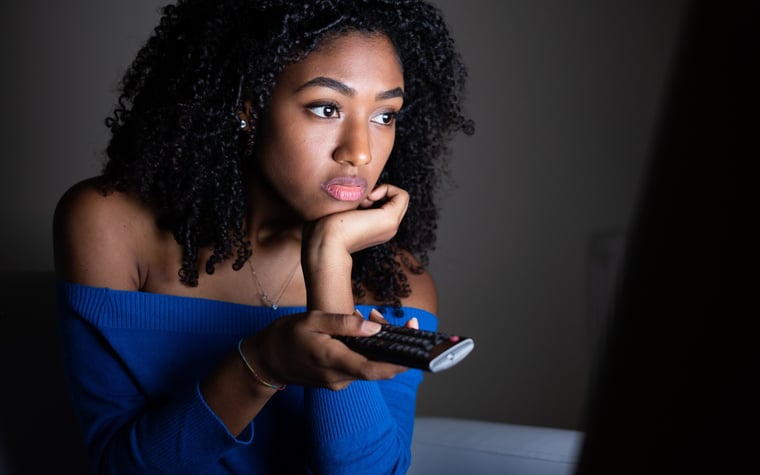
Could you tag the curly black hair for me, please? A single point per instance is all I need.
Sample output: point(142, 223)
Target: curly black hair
point(177, 144)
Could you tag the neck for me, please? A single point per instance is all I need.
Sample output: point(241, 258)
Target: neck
point(270, 220)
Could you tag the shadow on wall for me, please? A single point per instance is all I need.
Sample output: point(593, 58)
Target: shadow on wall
point(38, 429)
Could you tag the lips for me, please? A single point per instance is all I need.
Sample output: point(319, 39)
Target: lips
point(346, 188)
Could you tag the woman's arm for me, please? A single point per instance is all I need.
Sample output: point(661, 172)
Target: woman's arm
point(366, 427)
point(99, 240)
point(329, 242)
point(132, 423)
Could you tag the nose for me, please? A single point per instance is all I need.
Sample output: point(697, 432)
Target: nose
point(354, 144)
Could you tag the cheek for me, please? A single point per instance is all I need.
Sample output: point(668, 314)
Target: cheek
point(293, 163)
point(314, 146)
point(381, 150)
point(287, 150)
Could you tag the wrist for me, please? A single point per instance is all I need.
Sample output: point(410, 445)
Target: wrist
point(254, 369)
point(327, 268)
point(321, 244)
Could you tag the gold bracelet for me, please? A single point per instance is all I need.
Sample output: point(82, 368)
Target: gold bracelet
point(256, 376)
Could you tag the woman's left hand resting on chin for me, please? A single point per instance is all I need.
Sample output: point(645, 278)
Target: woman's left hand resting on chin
point(329, 242)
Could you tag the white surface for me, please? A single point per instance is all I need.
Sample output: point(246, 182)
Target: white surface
point(443, 446)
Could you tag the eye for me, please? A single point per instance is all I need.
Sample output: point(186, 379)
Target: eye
point(385, 118)
point(325, 111)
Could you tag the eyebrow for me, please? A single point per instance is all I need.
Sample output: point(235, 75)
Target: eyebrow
point(346, 90)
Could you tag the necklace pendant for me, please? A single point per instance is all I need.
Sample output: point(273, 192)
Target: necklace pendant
point(273, 304)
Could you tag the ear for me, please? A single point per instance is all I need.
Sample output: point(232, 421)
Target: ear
point(245, 116)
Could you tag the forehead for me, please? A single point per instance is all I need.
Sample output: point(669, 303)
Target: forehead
point(355, 57)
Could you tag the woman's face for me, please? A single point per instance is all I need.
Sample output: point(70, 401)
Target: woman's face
point(330, 125)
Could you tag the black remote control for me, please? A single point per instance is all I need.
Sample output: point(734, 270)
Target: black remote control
point(426, 350)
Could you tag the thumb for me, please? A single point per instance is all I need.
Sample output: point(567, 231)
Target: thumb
point(349, 325)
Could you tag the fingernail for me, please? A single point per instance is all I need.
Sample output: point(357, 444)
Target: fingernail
point(370, 328)
point(414, 323)
point(375, 312)
point(357, 312)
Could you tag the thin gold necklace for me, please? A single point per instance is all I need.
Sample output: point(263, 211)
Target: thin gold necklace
point(273, 304)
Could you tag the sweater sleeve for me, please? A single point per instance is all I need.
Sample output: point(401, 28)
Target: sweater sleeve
point(367, 427)
point(124, 431)
point(133, 361)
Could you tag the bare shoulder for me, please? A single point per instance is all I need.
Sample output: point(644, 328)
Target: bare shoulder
point(424, 293)
point(96, 235)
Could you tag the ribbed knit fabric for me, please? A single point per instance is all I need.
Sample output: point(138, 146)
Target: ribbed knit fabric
point(133, 363)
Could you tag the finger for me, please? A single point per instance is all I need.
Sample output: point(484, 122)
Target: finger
point(376, 370)
point(412, 323)
point(366, 203)
point(368, 371)
point(339, 363)
point(397, 200)
point(358, 366)
point(376, 316)
point(389, 193)
point(379, 193)
point(384, 192)
point(340, 324)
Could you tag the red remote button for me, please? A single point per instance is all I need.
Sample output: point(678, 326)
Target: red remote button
point(454, 339)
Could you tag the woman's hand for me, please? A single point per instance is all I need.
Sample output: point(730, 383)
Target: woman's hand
point(294, 349)
point(376, 316)
point(367, 226)
point(329, 241)
point(299, 349)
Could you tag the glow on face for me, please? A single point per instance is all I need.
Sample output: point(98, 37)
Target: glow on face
point(330, 125)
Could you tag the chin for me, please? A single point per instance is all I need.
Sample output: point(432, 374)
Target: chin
point(335, 207)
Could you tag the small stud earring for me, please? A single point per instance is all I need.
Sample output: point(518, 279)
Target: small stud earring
point(243, 123)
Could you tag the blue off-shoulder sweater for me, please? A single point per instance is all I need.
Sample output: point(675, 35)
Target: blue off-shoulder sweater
point(133, 362)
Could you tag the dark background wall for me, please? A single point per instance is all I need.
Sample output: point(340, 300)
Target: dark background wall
point(565, 96)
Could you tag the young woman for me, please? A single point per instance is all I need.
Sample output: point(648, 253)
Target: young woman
point(270, 181)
